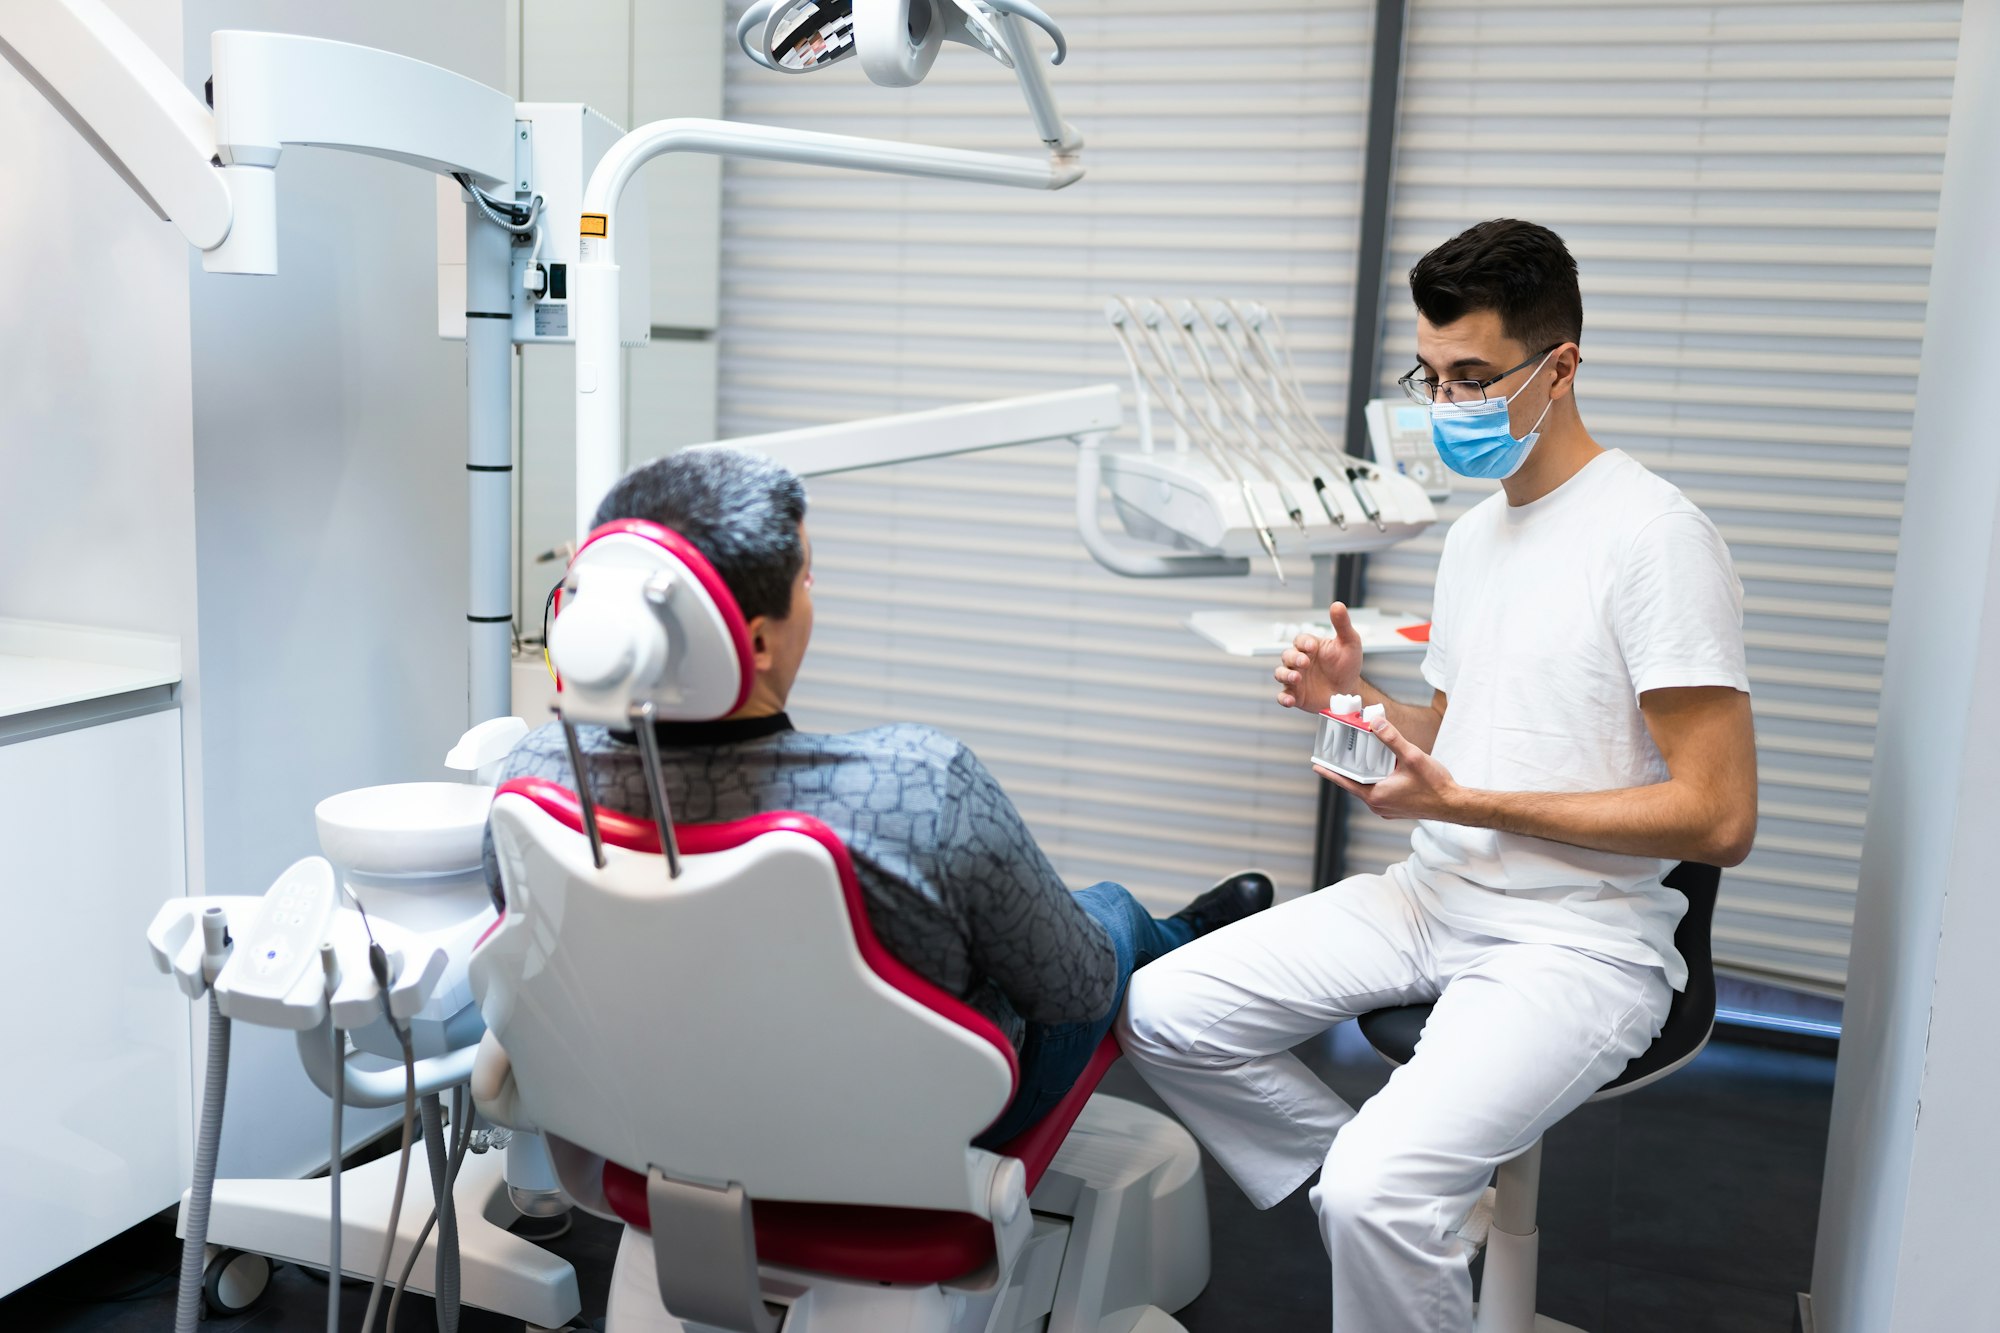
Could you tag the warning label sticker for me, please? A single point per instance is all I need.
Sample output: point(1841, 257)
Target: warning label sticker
point(552, 320)
point(592, 224)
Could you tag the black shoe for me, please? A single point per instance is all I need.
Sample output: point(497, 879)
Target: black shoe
point(1238, 896)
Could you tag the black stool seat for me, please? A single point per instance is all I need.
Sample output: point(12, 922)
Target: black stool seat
point(1394, 1032)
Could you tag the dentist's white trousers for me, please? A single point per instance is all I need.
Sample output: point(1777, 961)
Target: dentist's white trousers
point(1521, 1035)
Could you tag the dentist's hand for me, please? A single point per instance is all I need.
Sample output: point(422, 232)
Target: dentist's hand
point(1420, 788)
point(1314, 669)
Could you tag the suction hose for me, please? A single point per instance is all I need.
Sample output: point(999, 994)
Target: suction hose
point(194, 1245)
point(445, 1265)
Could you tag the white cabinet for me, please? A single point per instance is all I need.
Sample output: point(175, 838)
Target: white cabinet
point(95, 1128)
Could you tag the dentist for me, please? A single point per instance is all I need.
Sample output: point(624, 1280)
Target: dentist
point(1589, 725)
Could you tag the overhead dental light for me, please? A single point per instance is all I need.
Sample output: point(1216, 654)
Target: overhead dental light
point(899, 40)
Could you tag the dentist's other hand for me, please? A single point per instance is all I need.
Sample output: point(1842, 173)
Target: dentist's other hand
point(1316, 668)
point(1420, 788)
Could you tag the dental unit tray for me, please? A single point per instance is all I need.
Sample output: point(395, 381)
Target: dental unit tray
point(1347, 742)
point(1249, 469)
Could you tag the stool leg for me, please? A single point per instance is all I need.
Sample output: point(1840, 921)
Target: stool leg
point(1507, 1293)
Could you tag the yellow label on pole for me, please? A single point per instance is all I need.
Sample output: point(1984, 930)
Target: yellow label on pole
point(594, 224)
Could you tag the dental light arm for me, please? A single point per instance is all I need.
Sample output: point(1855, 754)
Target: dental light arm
point(599, 390)
point(1056, 132)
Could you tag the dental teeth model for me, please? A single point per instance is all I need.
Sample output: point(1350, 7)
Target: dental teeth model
point(1347, 741)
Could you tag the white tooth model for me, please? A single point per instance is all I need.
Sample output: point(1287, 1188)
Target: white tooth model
point(1348, 744)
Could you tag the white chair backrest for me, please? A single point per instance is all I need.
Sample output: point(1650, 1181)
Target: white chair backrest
point(732, 1024)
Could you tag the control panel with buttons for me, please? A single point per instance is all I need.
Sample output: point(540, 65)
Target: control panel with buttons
point(275, 977)
point(1400, 433)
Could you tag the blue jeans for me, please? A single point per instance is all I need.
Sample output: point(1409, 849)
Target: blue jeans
point(1053, 1055)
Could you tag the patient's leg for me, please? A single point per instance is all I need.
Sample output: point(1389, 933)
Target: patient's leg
point(1053, 1055)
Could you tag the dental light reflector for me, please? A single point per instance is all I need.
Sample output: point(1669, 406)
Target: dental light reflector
point(810, 33)
point(898, 40)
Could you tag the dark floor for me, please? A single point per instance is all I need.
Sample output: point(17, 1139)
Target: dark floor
point(1686, 1206)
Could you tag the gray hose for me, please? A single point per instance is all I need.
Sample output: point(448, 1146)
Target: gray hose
point(333, 1180)
point(187, 1304)
point(461, 1115)
point(402, 1162)
point(445, 1266)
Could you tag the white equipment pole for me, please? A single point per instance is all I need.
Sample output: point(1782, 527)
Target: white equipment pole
point(489, 466)
point(600, 411)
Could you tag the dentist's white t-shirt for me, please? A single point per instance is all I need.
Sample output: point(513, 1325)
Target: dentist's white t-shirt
point(1551, 619)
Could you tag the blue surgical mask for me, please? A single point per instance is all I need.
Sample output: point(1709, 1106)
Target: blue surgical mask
point(1475, 439)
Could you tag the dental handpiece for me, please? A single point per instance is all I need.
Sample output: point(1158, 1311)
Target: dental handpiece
point(1222, 446)
point(1356, 472)
point(1222, 462)
point(1149, 331)
point(1274, 408)
point(1219, 400)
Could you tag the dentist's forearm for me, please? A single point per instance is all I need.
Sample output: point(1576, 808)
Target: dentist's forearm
point(1670, 820)
point(1419, 722)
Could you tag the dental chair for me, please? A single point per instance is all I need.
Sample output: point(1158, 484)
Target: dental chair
point(1512, 1241)
point(724, 1057)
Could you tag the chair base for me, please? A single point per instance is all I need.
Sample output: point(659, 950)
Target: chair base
point(1120, 1239)
point(498, 1271)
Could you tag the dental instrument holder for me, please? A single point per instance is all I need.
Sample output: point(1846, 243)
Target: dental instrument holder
point(1242, 444)
point(268, 983)
point(1348, 744)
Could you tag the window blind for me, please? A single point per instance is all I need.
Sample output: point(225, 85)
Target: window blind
point(1750, 191)
point(1224, 156)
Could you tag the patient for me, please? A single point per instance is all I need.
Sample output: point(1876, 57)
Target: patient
point(954, 883)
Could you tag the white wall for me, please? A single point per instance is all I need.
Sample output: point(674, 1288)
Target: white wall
point(1905, 1214)
point(635, 61)
point(329, 456)
point(97, 509)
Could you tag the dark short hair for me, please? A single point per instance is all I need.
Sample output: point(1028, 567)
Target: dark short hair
point(740, 510)
point(1521, 271)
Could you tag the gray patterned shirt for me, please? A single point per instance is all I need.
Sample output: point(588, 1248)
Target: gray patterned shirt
point(956, 887)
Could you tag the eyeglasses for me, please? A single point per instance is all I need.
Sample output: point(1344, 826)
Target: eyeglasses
point(1460, 393)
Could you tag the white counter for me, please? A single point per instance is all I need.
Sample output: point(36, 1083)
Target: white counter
point(46, 665)
point(90, 811)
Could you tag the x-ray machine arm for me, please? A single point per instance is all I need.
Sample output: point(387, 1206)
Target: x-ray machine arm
point(211, 173)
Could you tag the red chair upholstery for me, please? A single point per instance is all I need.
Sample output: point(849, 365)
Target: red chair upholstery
point(885, 1244)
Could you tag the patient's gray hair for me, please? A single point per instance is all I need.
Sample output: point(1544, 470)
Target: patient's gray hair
point(740, 510)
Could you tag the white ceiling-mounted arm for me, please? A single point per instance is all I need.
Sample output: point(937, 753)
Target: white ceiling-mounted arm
point(939, 432)
point(127, 104)
point(1082, 416)
point(275, 89)
point(600, 450)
